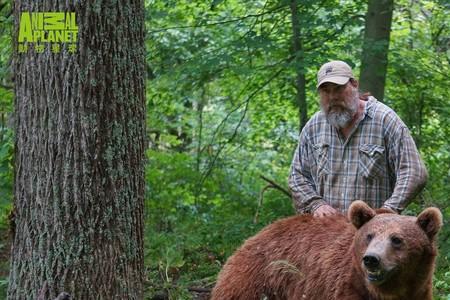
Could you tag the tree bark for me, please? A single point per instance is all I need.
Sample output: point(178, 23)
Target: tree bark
point(79, 158)
point(376, 46)
point(300, 80)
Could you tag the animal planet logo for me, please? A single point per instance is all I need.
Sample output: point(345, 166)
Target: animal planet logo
point(51, 28)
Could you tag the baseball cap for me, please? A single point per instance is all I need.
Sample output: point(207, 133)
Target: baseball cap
point(335, 71)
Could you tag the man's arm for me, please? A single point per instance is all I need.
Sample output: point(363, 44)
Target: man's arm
point(301, 183)
point(409, 170)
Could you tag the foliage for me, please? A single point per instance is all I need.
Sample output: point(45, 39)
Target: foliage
point(6, 177)
point(221, 112)
point(190, 233)
point(6, 22)
point(419, 68)
point(6, 139)
point(222, 94)
point(6, 174)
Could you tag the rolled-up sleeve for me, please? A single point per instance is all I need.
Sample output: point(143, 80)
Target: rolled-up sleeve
point(409, 169)
point(304, 194)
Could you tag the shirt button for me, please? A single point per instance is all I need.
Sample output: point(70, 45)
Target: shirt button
point(342, 195)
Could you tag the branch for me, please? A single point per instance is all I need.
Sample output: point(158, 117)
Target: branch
point(222, 123)
point(199, 289)
point(220, 22)
point(272, 185)
point(260, 202)
point(212, 163)
point(332, 36)
point(276, 186)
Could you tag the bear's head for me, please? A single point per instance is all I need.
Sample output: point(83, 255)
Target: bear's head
point(391, 249)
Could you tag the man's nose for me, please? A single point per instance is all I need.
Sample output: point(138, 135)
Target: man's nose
point(334, 99)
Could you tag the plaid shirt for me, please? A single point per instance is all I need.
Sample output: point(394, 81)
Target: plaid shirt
point(378, 163)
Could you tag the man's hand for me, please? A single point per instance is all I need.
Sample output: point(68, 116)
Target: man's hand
point(324, 210)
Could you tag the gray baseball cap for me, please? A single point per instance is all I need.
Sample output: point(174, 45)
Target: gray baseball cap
point(335, 71)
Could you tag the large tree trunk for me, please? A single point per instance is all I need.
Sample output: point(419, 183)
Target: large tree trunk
point(300, 80)
point(79, 158)
point(376, 46)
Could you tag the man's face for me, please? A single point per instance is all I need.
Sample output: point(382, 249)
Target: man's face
point(339, 103)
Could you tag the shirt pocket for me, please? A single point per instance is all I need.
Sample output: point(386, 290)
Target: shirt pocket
point(321, 158)
point(372, 162)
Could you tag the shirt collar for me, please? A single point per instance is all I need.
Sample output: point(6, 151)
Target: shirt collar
point(370, 107)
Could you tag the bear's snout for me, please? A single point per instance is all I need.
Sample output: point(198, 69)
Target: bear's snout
point(375, 262)
point(375, 272)
point(371, 261)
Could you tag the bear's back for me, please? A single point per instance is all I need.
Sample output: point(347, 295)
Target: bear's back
point(282, 255)
point(379, 255)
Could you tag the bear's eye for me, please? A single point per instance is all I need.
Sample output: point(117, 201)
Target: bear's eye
point(369, 237)
point(396, 241)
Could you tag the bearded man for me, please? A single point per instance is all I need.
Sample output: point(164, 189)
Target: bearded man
point(354, 148)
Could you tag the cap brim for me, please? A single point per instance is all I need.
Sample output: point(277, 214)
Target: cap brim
point(341, 80)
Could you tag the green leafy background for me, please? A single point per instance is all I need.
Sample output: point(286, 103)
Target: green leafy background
point(222, 112)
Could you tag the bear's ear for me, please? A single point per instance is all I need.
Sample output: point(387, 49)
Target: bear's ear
point(430, 220)
point(360, 213)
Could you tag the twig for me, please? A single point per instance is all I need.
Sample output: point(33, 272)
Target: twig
point(224, 120)
point(260, 201)
point(276, 186)
point(213, 162)
point(319, 42)
point(272, 185)
point(199, 289)
point(247, 102)
point(220, 22)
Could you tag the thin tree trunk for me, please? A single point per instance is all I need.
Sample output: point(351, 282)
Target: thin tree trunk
point(300, 81)
point(376, 46)
point(79, 158)
point(200, 106)
point(421, 108)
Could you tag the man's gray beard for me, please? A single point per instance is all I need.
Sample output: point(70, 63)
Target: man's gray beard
point(343, 117)
point(340, 119)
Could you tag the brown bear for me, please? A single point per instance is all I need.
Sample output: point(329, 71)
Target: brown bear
point(379, 255)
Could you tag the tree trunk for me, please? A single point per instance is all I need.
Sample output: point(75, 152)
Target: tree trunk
point(300, 81)
point(79, 157)
point(376, 46)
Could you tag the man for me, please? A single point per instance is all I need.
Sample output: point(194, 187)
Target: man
point(353, 149)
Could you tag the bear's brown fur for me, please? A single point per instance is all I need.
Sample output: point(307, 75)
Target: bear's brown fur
point(376, 256)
